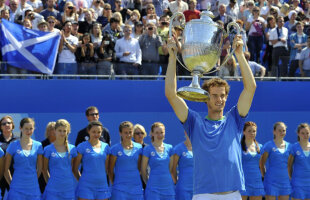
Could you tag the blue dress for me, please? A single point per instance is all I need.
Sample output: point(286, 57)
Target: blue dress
point(24, 183)
point(93, 182)
point(276, 181)
point(217, 151)
point(301, 173)
point(127, 183)
point(61, 184)
point(184, 187)
point(160, 184)
point(252, 175)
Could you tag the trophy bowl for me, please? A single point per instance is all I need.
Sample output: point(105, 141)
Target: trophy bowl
point(201, 43)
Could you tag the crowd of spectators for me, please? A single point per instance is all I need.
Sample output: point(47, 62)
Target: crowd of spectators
point(129, 37)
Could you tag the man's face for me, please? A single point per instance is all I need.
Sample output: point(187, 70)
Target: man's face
point(222, 9)
point(13, 5)
point(88, 15)
point(50, 3)
point(75, 27)
point(93, 115)
point(68, 27)
point(114, 25)
point(217, 100)
point(43, 27)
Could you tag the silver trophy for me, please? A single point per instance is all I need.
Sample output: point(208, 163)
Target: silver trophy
point(201, 42)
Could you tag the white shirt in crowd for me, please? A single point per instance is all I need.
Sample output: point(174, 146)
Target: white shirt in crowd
point(66, 56)
point(273, 35)
point(173, 6)
point(132, 45)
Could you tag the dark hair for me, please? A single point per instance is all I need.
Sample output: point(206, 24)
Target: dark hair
point(276, 125)
point(66, 22)
point(125, 124)
point(113, 19)
point(94, 123)
point(155, 125)
point(89, 109)
point(243, 145)
point(302, 126)
point(86, 35)
point(25, 121)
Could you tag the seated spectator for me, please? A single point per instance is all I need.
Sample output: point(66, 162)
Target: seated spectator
point(106, 55)
point(51, 20)
point(51, 11)
point(150, 16)
point(278, 37)
point(75, 30)
point(257, 69)
point(70, 13)
point(292, 22)
point(86, 25)
point(125, 12)
point(232, 9)
point(134, 18)
point(113, 29)
point(229, 69)
point(96, 34)
point(265, 11)
point(304, 62)
point(137, 30)
point(127, 49)
point(223, 16)
point(36, 5)
point(296, 6)
point(106, 15)
point(22, 7)
point(178, 6)
point(67, 47)
point(96, 5)
point(43, 25)
point(149, 44)
point(192, 12)
point(85, 56)
point(255, 27)
point(298, 41)
point(13, 10)
point(118, 16)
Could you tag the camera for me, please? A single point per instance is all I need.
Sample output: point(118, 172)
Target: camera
point(106, 42)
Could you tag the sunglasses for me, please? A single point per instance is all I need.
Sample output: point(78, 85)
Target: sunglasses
point(139, 133)
point(150, 8)
point(6, 123)
point(150, 28)
point(107, 8)
point(51, 22)
point(70, 7)
point(93, 114)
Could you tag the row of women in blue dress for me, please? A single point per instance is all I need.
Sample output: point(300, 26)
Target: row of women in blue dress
point(123, 164)
point(285, 167)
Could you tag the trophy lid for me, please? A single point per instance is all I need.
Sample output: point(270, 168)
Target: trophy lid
point(207, 13)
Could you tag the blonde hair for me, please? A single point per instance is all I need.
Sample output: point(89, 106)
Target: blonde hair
point(155, 125)
point(118, 15)
point(50, 126)
point(65, 123)
point(136, 12)
point(140, 127)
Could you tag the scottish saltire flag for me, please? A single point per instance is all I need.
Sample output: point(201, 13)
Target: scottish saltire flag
point(28, 49)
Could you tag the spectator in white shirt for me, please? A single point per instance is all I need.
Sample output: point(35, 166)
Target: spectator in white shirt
point(178, 6)
point(128, 51)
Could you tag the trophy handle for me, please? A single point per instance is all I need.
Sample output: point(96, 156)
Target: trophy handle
point(228, 32)
point(177, 14)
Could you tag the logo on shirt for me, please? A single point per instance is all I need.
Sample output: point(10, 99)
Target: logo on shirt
point(119, 153)
point(184, 153)
point(152, 153)
point(274, 149)
point(298, 153)
point(53, 154)
point(216, 126)
point(87, 150)
point(18, 151)
point(86, 138)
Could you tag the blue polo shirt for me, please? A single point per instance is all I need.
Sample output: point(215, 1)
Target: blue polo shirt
point(217, 152)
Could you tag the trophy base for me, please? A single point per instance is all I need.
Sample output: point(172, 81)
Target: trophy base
point(193, 94)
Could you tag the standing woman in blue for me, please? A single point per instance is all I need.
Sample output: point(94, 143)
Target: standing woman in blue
point(251, 154)
point(276, 151)
point(299, 164)
point(27, 156)
point(57, 165)
point(125, 162)
point(94, 155)
point(159, 156)
point(183, 159)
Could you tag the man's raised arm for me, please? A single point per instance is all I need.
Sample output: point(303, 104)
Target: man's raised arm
point(249, 84)
point(178, 104)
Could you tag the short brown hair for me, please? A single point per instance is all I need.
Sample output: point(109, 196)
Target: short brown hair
point(90, 108)
point(215, 82)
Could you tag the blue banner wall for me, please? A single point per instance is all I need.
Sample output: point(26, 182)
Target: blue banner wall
point(143, 102)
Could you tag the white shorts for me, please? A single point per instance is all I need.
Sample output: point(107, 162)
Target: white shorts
point(231, 196)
